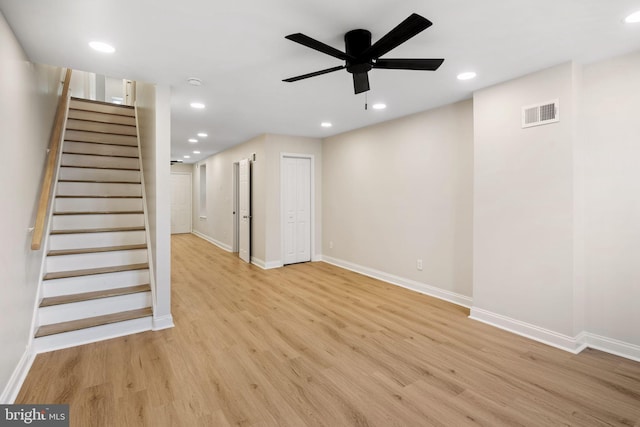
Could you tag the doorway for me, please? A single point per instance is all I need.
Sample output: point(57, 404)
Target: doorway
point(296, 189)
point(244, 210)
point(180, 202)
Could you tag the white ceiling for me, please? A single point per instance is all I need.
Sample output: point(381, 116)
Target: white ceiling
point(238, 49)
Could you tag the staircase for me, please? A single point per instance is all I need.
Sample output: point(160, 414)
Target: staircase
point(96, 282)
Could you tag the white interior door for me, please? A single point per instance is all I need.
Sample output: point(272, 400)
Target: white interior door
point(244, 202)
point(180, 203)
point(296, 191)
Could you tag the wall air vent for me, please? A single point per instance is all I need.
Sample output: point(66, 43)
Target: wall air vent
point(540, 114)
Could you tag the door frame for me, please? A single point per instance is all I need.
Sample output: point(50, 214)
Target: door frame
point(190, 198)
point(235, 232)
point(312, 208)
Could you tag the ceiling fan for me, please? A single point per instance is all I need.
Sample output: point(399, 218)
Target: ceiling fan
point(361, 56)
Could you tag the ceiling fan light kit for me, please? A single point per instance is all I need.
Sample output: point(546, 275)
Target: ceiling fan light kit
point(361, 56)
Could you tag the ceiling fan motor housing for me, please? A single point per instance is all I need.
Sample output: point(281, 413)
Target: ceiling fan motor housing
point(356, 42)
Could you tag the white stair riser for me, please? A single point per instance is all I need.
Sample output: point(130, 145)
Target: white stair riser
point(81, 222)
point(88, 174)
point(101, 117)
point(96, 240)
point(100, 205)
point(101, 108)
point(100, 127)
point(101, 149)
point(98, 189)
point(95, 282)
point(95, 260)
point(78, 135)
point(99, 161)
point(89, 335)
point(98, 307)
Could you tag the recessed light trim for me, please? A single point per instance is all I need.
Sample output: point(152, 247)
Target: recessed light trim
point(102, 47)
point(379, 106)
point(634, 18)
point(197, 105)
point(326, 124)
point(202, 135)
point(187, 157)
point(196, 152)
point(194, 81)
point(193, 140)
point(468, 75)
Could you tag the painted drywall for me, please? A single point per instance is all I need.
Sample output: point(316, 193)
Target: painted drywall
point(401, 191)
point(179, 167)
point(154, 117)
point(217, 225)
point(27, 107)
point(276, 145)
point(523, 203)
point(612, 205)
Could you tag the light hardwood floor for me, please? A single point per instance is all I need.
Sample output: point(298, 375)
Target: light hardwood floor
point(312, 344)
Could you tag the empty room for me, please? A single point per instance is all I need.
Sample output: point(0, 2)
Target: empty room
point(320, 213)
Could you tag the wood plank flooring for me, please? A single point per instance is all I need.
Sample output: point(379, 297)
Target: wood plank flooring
point(312, 344)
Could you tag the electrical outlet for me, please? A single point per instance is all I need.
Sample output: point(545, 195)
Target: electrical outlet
point(331, 244)
point(419, 264)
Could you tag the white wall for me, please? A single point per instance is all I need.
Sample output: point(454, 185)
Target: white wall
point(523, 203)
point(612, 166)
point(27, 108)
point(154, 118)
point(401, 191)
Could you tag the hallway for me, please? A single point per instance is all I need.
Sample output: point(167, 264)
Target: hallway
point(313, 344)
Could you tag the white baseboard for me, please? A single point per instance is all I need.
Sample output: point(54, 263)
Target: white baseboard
point(162, 322)
point(423, 288)
point(613, 346)
point(18, 376)
point(265, 265)
point(212, 240)
point(564, 342)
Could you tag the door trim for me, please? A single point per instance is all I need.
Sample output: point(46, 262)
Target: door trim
point(312, 183)
point(235, 229)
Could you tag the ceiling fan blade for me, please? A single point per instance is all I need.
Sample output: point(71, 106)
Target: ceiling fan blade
point(315, 73)
point(408, 28)
point(360, 82)
point(409, 64)
point(319, 46)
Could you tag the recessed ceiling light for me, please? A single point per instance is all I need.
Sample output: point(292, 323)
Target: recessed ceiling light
point(466, 76)
point(187, 157)
point(379, 106)
point(633, 18)
point(196, 152)
point(198, 105)
point(326, 124)
point(193, 140)
point(194, 81)
point(102, 47)
point(202, 135)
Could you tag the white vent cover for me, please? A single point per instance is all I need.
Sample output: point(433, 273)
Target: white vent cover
point(540, 114)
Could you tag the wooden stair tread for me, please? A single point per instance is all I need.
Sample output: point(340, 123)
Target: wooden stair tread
point(102, 123)
point(95, 250)
point(99, 167)
point(74, 325)
point(92, 271)
point(94, 196)
point(98, 213)
point(97, 230)
point(86, 296)
point(101, 132)
point(109, 104)
point(100, 155)
point(115, 144)
point(99, 181)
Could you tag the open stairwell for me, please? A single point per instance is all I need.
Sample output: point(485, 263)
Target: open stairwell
point(96, 283)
